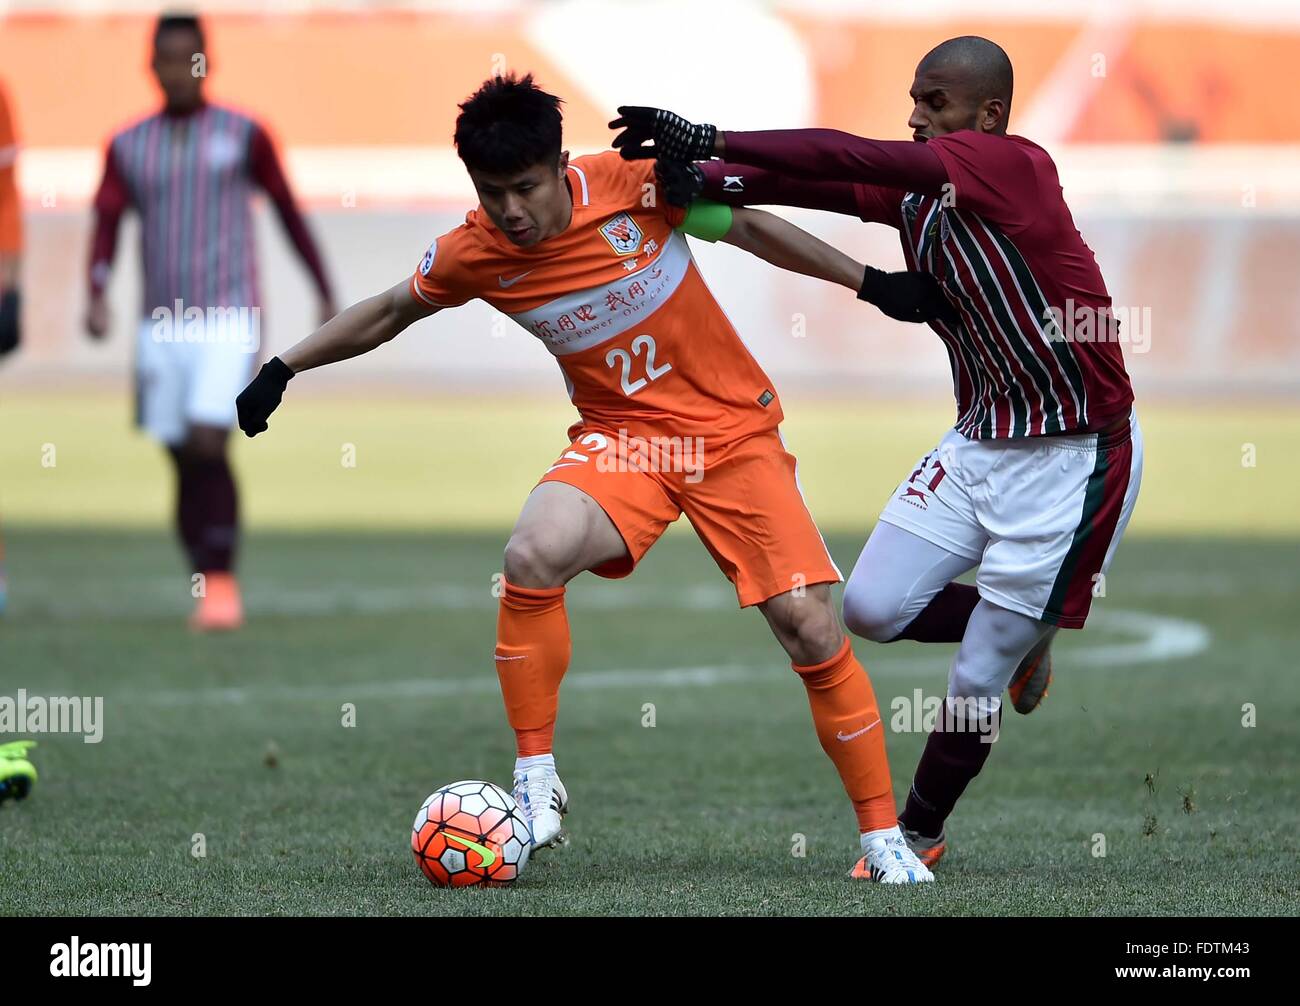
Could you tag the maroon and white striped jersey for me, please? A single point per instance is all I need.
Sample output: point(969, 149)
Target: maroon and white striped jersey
point(1004, 247)
point(192, 177)
point(984, 213)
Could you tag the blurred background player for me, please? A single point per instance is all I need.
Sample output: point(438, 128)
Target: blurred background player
point(588, 258)
point(191, 170)
point(11, 243)
point(1037, 480)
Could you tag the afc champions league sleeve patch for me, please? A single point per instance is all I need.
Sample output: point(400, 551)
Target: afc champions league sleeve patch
point(426, 263)
point(623, 235)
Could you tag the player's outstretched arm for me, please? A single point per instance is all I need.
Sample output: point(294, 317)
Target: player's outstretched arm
point(364, 326)
point(905, 296)
point(788, 247)
point(811, 154)
point(742, 185)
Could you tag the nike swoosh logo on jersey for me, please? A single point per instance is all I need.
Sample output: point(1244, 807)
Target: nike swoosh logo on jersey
point(488, 856)
point(507, 283)
point(840, 735)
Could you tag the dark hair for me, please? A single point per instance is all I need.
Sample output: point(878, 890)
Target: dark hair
point(508, 125)
point(171, 22)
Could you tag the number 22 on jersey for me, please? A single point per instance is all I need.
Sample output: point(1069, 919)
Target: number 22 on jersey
point(653, 372)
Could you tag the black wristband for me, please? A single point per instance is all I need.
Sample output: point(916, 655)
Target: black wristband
point(10, 315)
point(906, 296)
point(874, 282)
point(275, 367)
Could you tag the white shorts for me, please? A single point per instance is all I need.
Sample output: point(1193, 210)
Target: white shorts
point(1041, 515)
point(179, 384)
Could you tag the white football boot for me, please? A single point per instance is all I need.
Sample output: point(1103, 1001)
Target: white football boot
point(888, 860)
point(544, 801)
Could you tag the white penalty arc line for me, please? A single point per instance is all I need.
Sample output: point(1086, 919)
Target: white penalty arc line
point(1160, 638)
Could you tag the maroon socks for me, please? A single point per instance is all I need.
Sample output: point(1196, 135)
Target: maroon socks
point(207, 510)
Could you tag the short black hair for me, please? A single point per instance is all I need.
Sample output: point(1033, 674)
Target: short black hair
point(172, 22)
point(985, 65)
point(508, 125)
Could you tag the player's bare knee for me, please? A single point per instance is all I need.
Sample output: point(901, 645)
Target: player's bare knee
point(806, 624)
point(820, 640)
point(529, 563)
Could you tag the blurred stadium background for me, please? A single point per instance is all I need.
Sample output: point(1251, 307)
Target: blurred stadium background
point(1180, 162)
point(1179, 150)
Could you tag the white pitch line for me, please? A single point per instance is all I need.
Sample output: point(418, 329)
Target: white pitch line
point(429, 688)
point(1159, 638)
point(160, 598)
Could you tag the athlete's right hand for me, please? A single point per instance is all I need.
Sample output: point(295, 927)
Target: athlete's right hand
point(674, 137)
point(262, 396)
point(680, 183)
point(97, 317)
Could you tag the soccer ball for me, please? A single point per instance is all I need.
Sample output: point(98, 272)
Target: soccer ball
point(470, 833)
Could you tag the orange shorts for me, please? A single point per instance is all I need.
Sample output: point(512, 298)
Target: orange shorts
point(742, 498)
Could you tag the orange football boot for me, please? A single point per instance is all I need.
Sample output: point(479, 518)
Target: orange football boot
point(1033, 677)
point(928, 850)
point(220, 609)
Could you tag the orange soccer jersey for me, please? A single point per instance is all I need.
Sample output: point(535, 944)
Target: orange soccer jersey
point(11, 233)
point(618, 299)
point(663, 383)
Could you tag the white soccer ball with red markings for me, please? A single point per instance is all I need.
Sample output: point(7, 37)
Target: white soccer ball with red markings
point(470, 833)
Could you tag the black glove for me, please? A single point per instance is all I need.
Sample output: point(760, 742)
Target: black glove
point(675, 139)
point(680, 183)
point(10, 310)
point(262, 396)
point(907, 296)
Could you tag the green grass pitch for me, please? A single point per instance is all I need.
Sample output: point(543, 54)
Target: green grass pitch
point(240, 739)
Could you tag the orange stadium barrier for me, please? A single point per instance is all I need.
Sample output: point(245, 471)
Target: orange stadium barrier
point(1178, 159)
point(391, 78)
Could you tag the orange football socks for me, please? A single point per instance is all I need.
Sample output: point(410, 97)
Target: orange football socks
point(532, 655)
point(852, 733)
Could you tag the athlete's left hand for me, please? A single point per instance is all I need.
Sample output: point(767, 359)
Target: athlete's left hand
point(680, 183)
point(255, 403)
point(674, 138)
